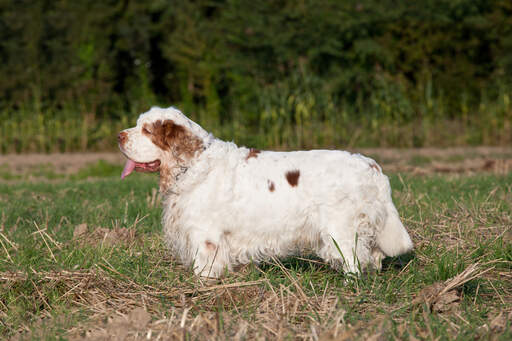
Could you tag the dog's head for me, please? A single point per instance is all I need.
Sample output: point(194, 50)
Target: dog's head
point(164, 140)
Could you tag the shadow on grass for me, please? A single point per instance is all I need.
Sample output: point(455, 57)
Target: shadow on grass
point(398, 262)
point(296, 264)
point(312, 263)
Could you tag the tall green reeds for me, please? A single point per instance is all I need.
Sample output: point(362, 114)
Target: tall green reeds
point(298, 114)
point(27, 131)
point(303, 114)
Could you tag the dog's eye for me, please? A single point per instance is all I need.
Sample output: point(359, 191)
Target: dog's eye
point(146, 131)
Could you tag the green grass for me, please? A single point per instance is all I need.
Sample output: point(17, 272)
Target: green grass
point(53, 285)
point(420, 160)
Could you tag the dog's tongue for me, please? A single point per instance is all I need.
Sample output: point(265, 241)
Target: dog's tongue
point(128, 168)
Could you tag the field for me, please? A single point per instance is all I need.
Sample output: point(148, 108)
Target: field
point(81, 257)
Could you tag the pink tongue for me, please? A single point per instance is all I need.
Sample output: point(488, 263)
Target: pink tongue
point(128, 168)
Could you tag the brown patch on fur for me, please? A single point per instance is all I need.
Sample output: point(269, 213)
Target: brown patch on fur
point(271, 186)
point(170, 136)
point(226, 233)
point(122, 137)
point(210, 246)
point(293, 177)
point(374, 166)
point(252, 153)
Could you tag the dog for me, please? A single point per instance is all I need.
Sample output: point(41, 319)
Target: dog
point(225, 206)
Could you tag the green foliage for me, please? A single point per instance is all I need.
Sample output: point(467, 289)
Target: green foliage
point(99, 169)
point(300, 73)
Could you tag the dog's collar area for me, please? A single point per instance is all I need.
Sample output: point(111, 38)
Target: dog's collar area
point(182, 171)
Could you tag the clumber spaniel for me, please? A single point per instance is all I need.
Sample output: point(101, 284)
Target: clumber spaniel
point(226, 205)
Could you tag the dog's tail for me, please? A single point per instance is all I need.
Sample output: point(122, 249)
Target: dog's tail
point(393, 239)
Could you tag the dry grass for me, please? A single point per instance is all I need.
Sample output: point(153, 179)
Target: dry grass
point(123, 309)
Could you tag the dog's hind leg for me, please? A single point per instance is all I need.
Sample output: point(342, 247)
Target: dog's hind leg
point(347, 245)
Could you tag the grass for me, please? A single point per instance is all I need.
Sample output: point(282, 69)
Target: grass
point(59, 281)
point(293, 116)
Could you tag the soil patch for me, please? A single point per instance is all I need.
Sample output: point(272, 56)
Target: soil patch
point(103, 236)
point(64, 163)
point(416, 161)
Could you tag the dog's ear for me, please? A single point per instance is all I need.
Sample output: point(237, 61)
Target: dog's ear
point(169, 136)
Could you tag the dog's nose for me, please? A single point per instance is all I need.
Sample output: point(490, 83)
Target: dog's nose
point(121, 137)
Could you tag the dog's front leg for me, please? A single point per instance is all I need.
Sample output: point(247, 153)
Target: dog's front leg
point(211, 259)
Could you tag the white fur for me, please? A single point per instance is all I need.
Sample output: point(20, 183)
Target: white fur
point(220, 211)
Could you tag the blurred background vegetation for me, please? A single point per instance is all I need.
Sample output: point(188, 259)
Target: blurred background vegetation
point(269, 74)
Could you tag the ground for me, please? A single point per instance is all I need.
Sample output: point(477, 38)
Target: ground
point(416, 161)
point(81, 257)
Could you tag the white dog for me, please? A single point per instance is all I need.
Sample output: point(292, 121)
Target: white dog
point(227, 205)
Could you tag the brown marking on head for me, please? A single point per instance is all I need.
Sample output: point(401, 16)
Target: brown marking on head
point(252, 153)
point(293, 177)
point(170, 136)
point(122, 137)
point(179, 141)
point(226, 233)
point(271, 186)
point(374, 166)
point(210, 246)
